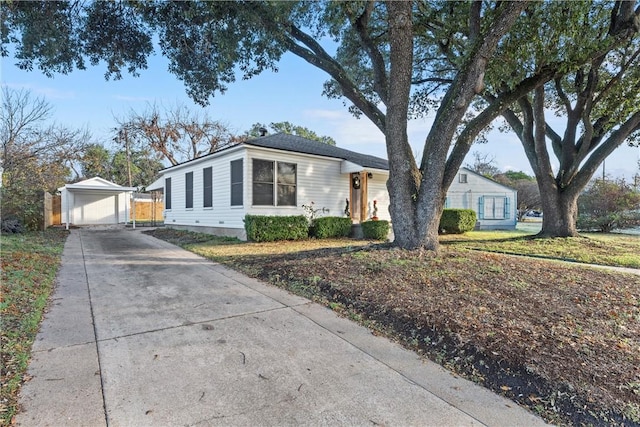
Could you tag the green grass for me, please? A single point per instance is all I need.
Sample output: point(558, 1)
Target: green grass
point(30, 262)
point(617, 250)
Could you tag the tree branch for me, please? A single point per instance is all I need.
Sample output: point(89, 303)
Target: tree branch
point(380, 82)
point(317, 56)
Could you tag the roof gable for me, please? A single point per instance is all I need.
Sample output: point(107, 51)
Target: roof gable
point(96, 183)
point(494, 182)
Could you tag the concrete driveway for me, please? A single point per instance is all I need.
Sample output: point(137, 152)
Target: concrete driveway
point(142, 333)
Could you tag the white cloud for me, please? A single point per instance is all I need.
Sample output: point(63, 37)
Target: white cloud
point(43, 91)
point(344, 128)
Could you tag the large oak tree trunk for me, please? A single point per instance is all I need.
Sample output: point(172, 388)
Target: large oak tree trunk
point(560, 212)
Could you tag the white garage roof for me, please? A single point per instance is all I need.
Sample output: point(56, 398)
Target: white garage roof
point(97, 184)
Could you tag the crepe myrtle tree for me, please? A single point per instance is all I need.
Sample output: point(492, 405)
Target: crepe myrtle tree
point(394, 60)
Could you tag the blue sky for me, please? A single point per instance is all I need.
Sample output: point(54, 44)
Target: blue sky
point(294, 94)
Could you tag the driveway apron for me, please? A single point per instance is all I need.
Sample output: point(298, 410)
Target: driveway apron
point(141, 332)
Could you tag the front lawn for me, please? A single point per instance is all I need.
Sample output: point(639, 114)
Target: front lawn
point(592, 248)
point(560, 339)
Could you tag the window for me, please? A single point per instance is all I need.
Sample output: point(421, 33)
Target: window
point(274, 183)
point(263, 182)
point(236, 183)
point(207, 185)
point(286, 184)
point(493, 207)
point(463, 178)
point(188, 190)
point(167, 193)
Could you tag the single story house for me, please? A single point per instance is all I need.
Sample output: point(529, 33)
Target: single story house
point(95, 201)
point(495, 204)
point(282, 174)
point(272, 175)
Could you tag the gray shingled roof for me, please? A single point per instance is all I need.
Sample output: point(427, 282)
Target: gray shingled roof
point(297, 144)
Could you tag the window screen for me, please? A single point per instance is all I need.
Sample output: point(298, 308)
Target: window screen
point(286, 184)
point(263, 182)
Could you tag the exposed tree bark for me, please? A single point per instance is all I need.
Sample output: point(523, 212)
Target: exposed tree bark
point(404, 176)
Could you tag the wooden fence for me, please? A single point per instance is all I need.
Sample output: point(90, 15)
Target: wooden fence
point(52, 210)
point(147, 210)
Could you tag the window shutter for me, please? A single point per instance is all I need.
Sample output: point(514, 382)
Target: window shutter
point(507, 208)
point(446, 203)
point(167, 193)
point(481, 207)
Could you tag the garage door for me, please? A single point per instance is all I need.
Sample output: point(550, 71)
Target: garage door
point(94, 209)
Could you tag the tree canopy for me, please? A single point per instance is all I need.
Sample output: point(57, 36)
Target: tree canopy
point(36, 154)
point(176, 133)
point(289, 128)
point(394, 60)
point(600, 102)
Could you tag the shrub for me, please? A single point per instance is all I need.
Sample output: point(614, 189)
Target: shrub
point(12, 226)
point(608, 205)
point(376, 230)
point(24, 206)
point(330, 226)
point(608, 222)
point(457, 221)
point(262, 228)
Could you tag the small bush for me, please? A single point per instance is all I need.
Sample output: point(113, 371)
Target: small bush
point(457, 221)
point(12, 226)
point(376, 230)
point(608, 222)
point(330, 226)
point(262, 228)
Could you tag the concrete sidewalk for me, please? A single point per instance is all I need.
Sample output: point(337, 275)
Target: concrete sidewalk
point(141, 332)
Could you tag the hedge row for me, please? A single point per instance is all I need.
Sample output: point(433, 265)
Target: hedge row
point(327, 227)
point(261, 228)
point(376, 230)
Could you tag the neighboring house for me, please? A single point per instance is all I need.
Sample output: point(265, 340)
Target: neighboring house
point(495, 204)
point(272, 175)
point(95, 201)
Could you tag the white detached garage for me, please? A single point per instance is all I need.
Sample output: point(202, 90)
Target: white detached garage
point(95, 201)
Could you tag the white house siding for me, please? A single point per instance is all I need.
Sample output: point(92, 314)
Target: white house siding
point(468, 195)
point(222, 215)
point(377, 190)
point(319, 180)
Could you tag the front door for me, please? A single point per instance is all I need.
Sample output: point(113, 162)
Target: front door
point(358, 199)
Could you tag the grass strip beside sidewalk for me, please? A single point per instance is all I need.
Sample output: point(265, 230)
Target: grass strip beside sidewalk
point(29, 262)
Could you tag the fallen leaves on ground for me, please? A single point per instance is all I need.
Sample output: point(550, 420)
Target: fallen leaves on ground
point(560, 338)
